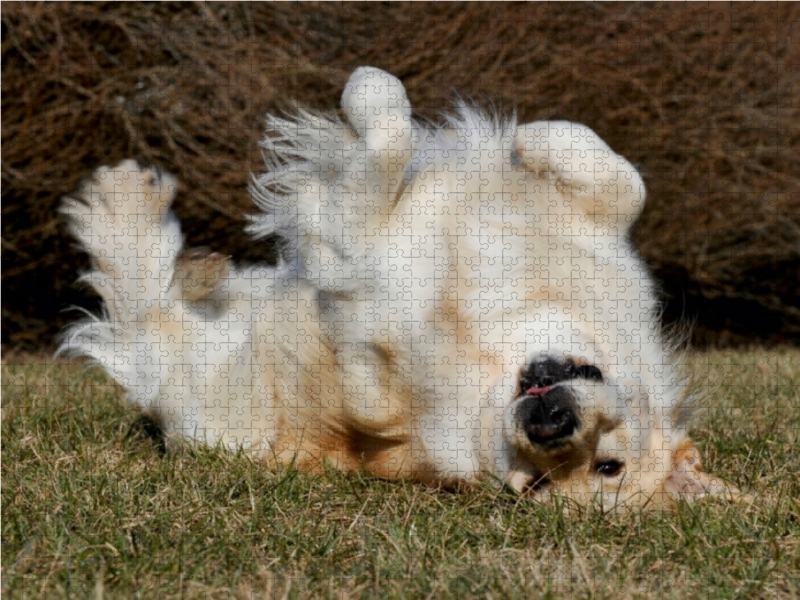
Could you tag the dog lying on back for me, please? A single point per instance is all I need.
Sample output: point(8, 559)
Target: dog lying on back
point(455, 304)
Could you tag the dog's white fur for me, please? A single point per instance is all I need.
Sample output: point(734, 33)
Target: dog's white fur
point(427, 267)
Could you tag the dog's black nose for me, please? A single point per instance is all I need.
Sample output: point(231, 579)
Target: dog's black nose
point(548, 417)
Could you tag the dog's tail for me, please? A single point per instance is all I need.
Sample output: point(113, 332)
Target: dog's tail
point(331, 185)
point(120, 217)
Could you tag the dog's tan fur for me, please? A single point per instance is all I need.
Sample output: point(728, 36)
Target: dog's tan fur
point(428, 268)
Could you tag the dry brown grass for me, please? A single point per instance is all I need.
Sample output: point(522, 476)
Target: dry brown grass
point(704, 97)
point(93, 509)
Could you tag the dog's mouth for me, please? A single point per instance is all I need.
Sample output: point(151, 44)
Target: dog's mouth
point(547, 410)
point(538, 391)
point(541, 375)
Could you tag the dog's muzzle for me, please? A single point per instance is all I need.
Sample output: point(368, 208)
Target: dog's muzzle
point(548, 416)
point(547, 412)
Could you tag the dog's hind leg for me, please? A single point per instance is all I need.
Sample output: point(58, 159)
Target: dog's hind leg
point(120, 217)
point(186, 359)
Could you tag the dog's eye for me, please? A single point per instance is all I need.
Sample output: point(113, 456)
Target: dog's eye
point(608, 468)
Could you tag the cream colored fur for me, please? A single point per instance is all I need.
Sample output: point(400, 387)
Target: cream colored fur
point(427, 267)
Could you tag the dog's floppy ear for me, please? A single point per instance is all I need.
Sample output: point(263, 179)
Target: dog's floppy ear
point(688, 481)
point(601, 183)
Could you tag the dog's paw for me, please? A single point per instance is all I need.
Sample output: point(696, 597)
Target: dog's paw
point(128, 189)
point(198, 272)
point(378, 107)
point(600, 181)
point(125, 200)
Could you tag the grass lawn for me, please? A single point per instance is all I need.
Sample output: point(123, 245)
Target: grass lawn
point(93, 508)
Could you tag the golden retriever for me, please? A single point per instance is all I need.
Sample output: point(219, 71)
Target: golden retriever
point(455, 303)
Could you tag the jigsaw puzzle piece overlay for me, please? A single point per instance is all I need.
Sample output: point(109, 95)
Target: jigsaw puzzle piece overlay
point(431, 271)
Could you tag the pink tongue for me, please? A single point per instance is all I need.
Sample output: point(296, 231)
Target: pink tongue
point(538, 391)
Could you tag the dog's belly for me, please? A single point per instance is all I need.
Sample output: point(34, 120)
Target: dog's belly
point(450, 375)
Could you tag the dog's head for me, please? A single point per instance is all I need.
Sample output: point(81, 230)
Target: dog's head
point(590, 434)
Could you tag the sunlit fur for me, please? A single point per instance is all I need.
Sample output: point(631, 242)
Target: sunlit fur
point(426, 268)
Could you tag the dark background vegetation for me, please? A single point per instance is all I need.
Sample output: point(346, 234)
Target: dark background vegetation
point(704, 98)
